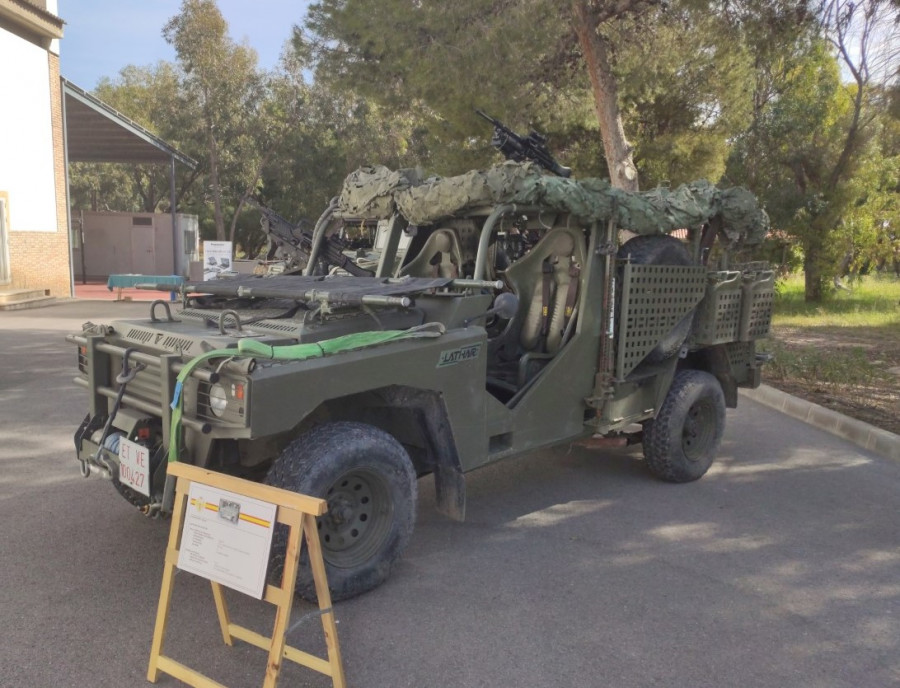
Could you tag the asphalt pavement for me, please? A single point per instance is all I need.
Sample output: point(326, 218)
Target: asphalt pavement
point(779, 568)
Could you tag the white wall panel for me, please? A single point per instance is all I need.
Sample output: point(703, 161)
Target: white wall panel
point(26, 136)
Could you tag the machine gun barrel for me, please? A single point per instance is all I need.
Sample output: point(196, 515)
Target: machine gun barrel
point(518, 148)
point(264, 290)
point(298, 242)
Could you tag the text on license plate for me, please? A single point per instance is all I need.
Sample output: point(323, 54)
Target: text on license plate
point(134, 466)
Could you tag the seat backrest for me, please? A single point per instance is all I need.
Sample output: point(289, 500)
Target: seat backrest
point(547, 278)
point(440, 257)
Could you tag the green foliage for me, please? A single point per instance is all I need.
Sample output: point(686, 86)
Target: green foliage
point(684, 72)
point(221, 77)
point(336, 134)
point(437, 62)
point(873, 301)
point(793, 158)
point(96, 186)
point(743, 88)
point(819, 152)
point(869, 226)
point(683, 92)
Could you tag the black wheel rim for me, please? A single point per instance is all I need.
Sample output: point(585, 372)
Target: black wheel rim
point(359, 517)
point(699, 432)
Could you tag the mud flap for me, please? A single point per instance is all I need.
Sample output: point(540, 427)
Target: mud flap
point(450, 492)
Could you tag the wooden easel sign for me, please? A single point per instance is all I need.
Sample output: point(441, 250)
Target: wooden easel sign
point(226, 538)
point(222, 530)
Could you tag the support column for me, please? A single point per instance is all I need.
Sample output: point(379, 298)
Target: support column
point(177, 258)
point(65, 135)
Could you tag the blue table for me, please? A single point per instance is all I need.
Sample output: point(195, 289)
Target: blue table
point(121, 282)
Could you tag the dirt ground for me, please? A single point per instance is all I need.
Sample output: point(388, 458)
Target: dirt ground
point(876, 400)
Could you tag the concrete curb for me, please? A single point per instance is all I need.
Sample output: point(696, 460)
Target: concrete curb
point(876, 440)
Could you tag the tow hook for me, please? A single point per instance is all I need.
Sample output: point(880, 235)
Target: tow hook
point(153, 510)
point(123, 378)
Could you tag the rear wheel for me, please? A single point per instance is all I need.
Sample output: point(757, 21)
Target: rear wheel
point(367, 479)
point(680, 444)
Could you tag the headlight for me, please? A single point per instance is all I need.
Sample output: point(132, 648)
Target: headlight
point(217, 400)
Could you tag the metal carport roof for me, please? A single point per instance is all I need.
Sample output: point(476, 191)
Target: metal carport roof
point(95, 132)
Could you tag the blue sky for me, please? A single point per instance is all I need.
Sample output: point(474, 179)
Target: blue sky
point(102, 36)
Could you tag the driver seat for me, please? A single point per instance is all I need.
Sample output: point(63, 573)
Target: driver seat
point(547, 283)
point(440, 257)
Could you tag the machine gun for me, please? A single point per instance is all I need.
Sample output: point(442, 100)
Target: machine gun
point(294, 242)
point(518, 148)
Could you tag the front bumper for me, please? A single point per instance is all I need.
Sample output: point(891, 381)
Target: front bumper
point(104, 460)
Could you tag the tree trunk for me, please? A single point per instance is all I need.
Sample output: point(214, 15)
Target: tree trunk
point(248, 191)
point(214, 185)
point(144, 184)
point(187, 183)
point(622, 172)
point(814, 288)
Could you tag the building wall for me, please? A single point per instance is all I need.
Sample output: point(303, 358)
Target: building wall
point(32, 167)
point(124, 243)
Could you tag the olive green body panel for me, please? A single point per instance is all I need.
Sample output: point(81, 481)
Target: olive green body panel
point(552, 410)
point(285, 394)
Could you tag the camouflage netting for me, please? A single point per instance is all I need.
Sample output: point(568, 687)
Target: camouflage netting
point(374, 193)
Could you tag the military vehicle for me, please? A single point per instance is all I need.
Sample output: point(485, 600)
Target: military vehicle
point(516, 318)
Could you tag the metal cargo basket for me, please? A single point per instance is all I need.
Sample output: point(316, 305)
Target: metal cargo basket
point(718, 318)
point(654, 300)
point(759, 299)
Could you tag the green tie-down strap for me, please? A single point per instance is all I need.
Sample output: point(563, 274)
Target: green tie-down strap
point(250, 348)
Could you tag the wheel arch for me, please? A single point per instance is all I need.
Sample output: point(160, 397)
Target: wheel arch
point(418, 419)
point(714, 360)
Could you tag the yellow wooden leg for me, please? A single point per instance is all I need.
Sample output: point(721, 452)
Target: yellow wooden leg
point(283, 608)
point(222, 612)
point(165, 594)
point(317, 563)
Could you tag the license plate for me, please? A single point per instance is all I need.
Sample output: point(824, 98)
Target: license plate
point(134, 466)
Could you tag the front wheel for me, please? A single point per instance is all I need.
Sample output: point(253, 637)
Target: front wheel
point(368, 480)
point(680, 444)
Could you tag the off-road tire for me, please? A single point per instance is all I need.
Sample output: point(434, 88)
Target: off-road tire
point(661, 250)
point(680, 444)
point(370, 485)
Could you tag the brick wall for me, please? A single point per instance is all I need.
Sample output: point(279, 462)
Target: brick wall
point(40, 260)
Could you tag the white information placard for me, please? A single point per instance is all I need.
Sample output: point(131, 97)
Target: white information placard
point(226, 538)
point(216, 258)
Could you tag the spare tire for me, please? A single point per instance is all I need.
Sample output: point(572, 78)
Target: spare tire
point(661, 250)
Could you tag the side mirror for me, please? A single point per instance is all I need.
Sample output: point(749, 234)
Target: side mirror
point(506, 305)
